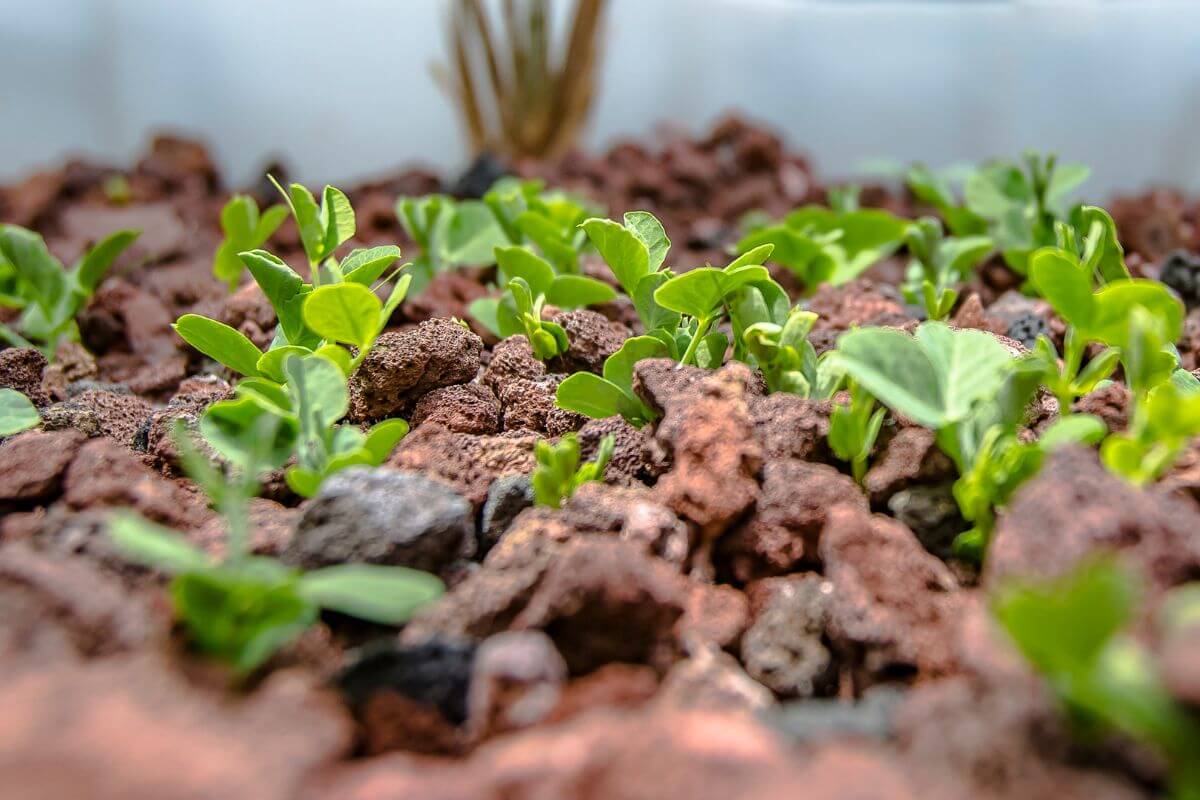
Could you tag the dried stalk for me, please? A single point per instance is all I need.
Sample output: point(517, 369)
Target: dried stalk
point(516, 95)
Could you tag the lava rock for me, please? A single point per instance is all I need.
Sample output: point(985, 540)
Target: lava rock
point(1181, 271)
point(872, 716)
point(784, 648)
point(1026, 329)
point(435, 673)
point(932, 514)
point(33, 463)
point(463, 408)
point(382, 516)
point(517, 682)
point(507, 497)
point(21, 369)
point(480, 176)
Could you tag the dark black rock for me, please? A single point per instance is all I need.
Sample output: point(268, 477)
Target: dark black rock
point(1181, 271)
point(1026, 328)
point(383, 516)
point(931, 512)
point(435, 673)
point(475, 181)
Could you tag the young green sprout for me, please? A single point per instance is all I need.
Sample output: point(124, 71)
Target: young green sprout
point(49, 295)
point(241, 608)
point(245, 229)
point(853, 429)
point(940, 264)
point(558, 473)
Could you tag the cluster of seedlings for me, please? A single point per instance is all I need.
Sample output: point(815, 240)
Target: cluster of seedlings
point(973, 389)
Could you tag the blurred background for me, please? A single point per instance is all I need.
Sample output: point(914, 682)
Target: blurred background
point(339, 91)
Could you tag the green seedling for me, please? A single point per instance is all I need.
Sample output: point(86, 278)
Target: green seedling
point(1092, 237)
point(934, 188)
point(601, 397)
point(546, 220)
point(823, 246)
point(788, 361)
point(558, 473)
point(1072, 630)
point(245, 229)
point(968, 387)
point(241, 608)
point(743, 291)
point(530, 283)
point(307, 407)
point(1023, 204)
point(853, 428)
point(940, 264)
point(1140, 318)
point(49, 295)
point(323, 228)
point(339, 319)
point(635, 251)
point(450, 233)
point(1066, 377)
point(1161, 428)
point(17, 413)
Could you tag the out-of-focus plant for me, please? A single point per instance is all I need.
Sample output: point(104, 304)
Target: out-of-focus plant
point(518, 93)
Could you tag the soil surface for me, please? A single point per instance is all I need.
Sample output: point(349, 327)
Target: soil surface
point(825, 647)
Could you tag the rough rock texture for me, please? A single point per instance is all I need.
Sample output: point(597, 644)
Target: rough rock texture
point(366, 516)
point(32, 465)
point(512, 359)
point(1088, 509)
point(272, 527)
point(528, 404)
point(411, 697)
point(709, 441)
point(784, 648)
point(713, 679)
point(464, 408)
point(909, 456)
point(132, 727)
point(506, 498)
point(1110, 403)
point(517, 681)
point(404, 365)
point(629, 464)
point(106, 475)
point(21, 369)
point(592, 339)
point(932, 514)
point(893, 606)
point(53, 607)
point(156, 436)
point(630, 755)
point(466, 462)
point(785, 530)
point(117, 415)
point(789, 426)
point(857, 303)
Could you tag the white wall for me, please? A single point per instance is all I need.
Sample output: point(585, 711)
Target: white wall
point(342, 88)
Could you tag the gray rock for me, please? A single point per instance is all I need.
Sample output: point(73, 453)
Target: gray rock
point(517, 681)
point(870, 717)
point(508, 496)
point(784, 648)
point(71, 416)
point(932, 513)
point(383, 516)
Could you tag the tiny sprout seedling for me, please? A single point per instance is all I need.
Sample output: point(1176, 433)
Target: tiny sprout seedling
point(1161, 428)
point(546, 220)
point(1141, 318)
point(853, 429)
point(600, 397)
point(636, 250)
point(530, 282)
point(17, 413)
point(242, 608)
point(49, 295)
point(787, 358)
point(327, 319)
point(940, 264)
point(450, 234)
point(558, 473)
point(324, 227)
point(1071, 630)
point(1022, 204)
point(933, 188)
point(820, 245)
point(245, 229)
point(307, 406)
